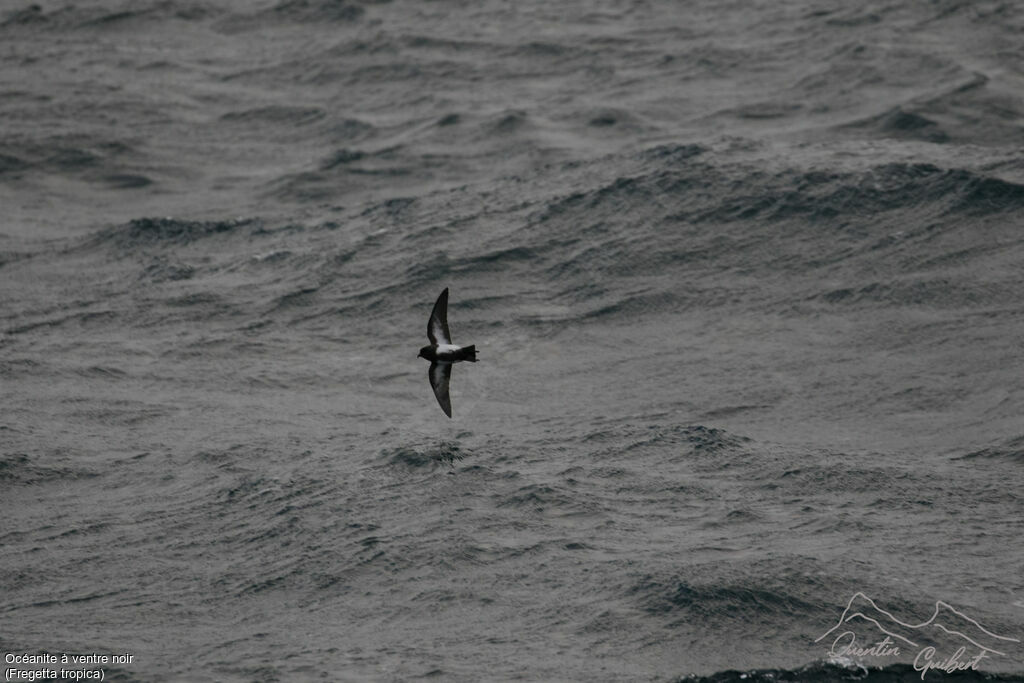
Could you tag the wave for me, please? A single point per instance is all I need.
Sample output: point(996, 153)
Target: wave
point(891, 187)
point(95, 160)
point(679, 215)
point(690, 217)
point(921, 291)
point(26, 470)
point(295, 12)
point(274, 116)
point(550, 499)
point(1011, 449)
point(700, 439)
point(835, 673)
point(84, 318)
point(7, 257)
point(443, 454)
point(840, 478)
point(146, 232)
point(162, 269)
point(70, 16)
point(902, 124)
point(699, 193)
point(676, 596)
point(11, 166)
point(963, 110)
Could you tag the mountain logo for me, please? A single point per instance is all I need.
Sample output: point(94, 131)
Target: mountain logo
point(889, 636)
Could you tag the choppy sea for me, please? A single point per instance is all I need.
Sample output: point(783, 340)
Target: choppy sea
point(746, 281)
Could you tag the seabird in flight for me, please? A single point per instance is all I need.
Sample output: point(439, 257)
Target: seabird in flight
point(442, 353)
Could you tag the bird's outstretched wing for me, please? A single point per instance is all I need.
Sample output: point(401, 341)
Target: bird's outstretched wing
point(440, 374)
point(437, 326)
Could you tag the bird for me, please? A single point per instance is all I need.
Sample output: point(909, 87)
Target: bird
point(442, 353)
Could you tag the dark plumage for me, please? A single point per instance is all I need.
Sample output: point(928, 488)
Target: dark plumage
point(442, 353)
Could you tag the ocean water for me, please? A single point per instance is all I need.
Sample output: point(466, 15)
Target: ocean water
point(745, 281)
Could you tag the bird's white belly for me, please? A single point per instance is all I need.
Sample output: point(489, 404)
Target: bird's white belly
point(445, 349)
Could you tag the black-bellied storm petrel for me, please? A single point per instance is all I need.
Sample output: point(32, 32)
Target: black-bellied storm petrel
point(442, 353)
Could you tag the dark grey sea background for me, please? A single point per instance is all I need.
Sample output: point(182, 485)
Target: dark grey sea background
point(746, 281)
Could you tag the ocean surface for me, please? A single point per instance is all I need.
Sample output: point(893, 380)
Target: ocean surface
point(746, 281)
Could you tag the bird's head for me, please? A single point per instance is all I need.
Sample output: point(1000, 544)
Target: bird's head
point(426, 352)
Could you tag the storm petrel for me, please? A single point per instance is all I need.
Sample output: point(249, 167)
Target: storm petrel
point(442, 353)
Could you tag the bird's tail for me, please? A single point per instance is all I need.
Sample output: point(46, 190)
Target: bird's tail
point(469, 353)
